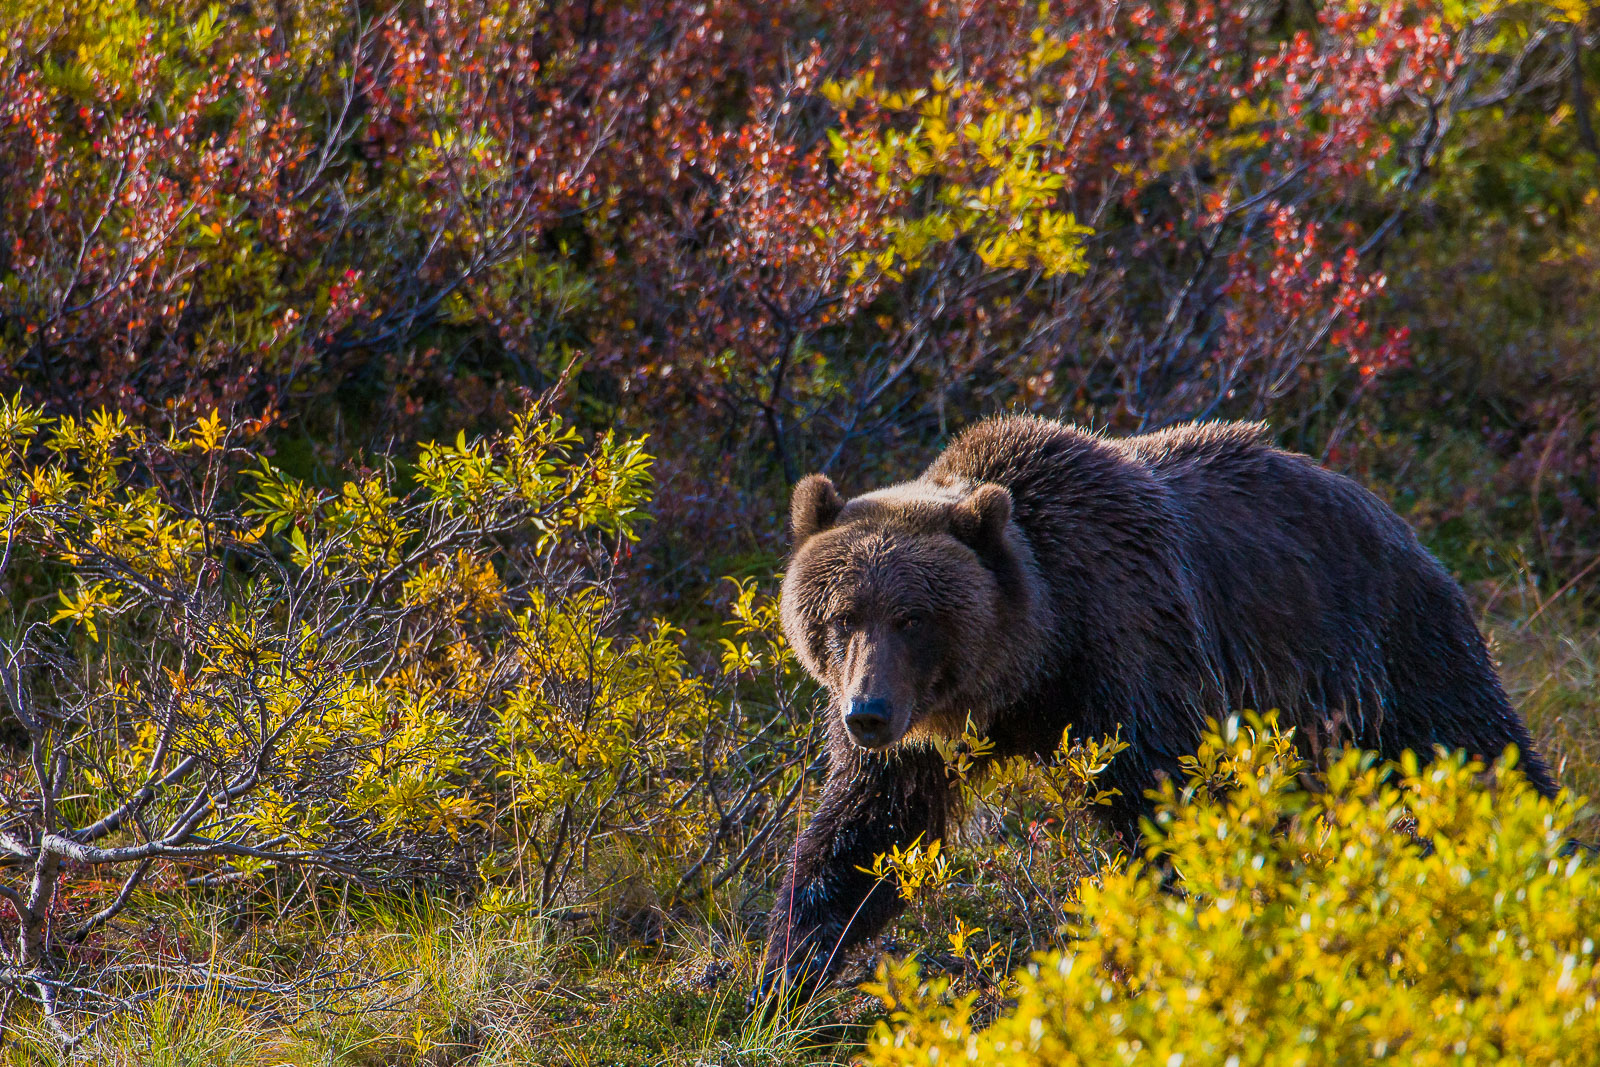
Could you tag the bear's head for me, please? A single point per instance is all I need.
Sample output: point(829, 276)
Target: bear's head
point(907, 603)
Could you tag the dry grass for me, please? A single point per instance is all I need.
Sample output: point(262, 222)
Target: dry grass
point(472, 989)
point(1549, 655)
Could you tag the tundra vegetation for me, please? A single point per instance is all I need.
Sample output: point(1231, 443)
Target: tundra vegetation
point(399, 403)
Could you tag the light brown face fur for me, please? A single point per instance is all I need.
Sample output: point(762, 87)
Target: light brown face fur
point(893, 603)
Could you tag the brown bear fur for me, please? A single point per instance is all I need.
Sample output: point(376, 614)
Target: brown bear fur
point(1038, 576)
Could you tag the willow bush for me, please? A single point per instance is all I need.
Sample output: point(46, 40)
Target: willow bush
point(1412, 917)
point(221, 674)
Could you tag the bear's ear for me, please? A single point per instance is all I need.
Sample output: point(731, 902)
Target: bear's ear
point(814, 506)
point(979, 519)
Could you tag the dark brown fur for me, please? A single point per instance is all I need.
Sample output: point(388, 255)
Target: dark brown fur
point(1038, 576)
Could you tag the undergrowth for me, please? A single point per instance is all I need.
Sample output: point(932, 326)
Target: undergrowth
point(443, 982)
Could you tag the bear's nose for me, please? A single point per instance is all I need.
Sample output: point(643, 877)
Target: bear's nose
point(868, 720)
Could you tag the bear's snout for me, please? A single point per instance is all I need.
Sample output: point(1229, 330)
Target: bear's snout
point(869, 722)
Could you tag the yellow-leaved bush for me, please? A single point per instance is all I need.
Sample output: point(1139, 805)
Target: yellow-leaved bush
point(223, 671)
point(319, 654)
point(975, 163)
point(600, 739)
point(1416, 915)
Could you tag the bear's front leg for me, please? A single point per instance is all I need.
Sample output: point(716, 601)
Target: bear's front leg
point(873, 801)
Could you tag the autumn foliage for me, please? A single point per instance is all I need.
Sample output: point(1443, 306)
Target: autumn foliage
point(1419, 920)
point(387, 389)
point(821, 227)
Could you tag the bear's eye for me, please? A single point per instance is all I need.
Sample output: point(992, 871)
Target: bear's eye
point(908, 621)
point(840, 621)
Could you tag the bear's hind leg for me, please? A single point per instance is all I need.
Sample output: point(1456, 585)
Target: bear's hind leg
point(1446, 690)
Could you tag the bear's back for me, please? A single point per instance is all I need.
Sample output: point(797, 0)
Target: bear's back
point(1201, 444)
point(1286, 566)
point(1022, 451)
point(1055, 472)
point(1226, 474)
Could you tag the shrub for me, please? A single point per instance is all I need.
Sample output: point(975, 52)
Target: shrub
point(1419, 919)
point(243, 673)
point(216, 673)
point(836, 228)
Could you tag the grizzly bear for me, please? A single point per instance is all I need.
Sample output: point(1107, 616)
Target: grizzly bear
point(1038, 576)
